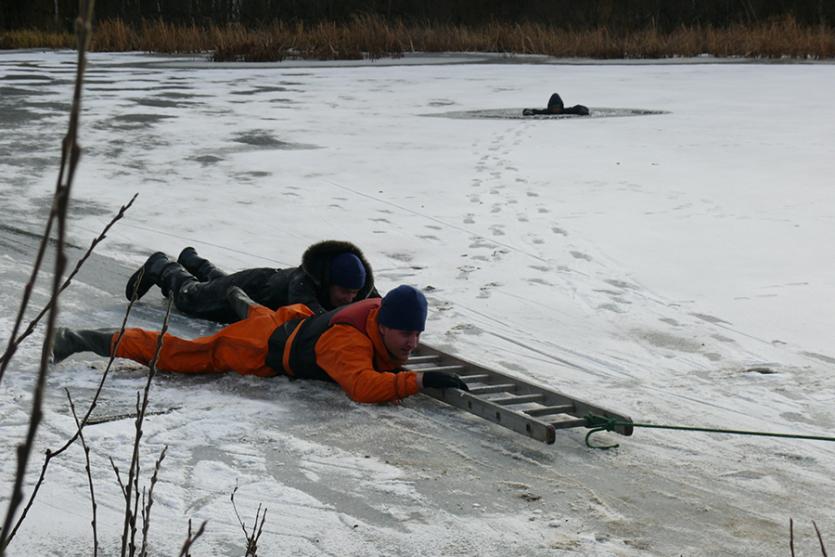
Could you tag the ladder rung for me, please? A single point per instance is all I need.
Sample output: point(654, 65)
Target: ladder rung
point(475, 377)
point(439, 368)
point(550, 410)
point(517, 399)
point(426, 358)
point(500, 388)
point(563, 424)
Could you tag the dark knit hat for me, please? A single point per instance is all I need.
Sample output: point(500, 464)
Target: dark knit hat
point(555, 101)
point(347, 271)
point(403, 308)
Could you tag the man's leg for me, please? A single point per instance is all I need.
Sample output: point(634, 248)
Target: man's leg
point(208, 299)
point(67, 342)
point(178, 354)
point(202, 268)
point(157, 270)
point(241, 347)
point(146, 276)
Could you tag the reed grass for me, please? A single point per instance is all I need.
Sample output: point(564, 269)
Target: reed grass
point(371, 36)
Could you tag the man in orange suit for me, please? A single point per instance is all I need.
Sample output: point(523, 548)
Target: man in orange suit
point(362, 346)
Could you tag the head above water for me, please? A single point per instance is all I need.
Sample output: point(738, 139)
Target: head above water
point(347, 271)
point(555, 103)
point(403, 308)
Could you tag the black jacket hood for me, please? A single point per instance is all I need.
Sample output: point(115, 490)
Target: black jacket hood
point(316, 263)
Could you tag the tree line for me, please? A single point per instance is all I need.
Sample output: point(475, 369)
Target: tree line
point(614, 15)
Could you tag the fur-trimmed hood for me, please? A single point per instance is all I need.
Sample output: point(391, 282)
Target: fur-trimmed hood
point(316, 263)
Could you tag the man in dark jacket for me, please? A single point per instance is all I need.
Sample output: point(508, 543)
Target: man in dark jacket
point(362, 347)
point(556, 106)
point(332, 274)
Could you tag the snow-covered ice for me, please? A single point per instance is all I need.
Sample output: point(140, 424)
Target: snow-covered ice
point(651, 264)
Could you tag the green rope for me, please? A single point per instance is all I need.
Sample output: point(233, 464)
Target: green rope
point(604, 423)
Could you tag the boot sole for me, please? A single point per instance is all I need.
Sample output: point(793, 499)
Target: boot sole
point(142, 277)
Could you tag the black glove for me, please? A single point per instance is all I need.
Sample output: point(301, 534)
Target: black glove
point(441, 380)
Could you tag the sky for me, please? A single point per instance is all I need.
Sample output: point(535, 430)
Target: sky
point(675, 267)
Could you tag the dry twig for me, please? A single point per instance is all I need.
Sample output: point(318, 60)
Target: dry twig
point(146, 511)
point(89, 473)
point(251, 539)
point(820, 539)
point(15, 341)
point(133, 473)
point(84, 421)
point(184, 552)
point(118, 477)
point(70, 154)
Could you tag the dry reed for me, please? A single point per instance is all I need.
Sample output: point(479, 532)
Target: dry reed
point(371, 36)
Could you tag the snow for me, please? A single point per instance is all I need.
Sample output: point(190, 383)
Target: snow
point(645, 263)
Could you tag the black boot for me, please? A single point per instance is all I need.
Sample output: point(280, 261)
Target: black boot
point(146, 276)
point(173, 277)
point(203, 269)
point(239, 301)
point(67, 342)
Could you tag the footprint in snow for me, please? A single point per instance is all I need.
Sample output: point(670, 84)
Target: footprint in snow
point(580, 255)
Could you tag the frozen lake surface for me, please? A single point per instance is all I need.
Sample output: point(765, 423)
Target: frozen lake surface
point(676, 267)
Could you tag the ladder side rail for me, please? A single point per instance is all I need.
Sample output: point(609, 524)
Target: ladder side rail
point(583, 409)
point(553, 398)
point(503, 416)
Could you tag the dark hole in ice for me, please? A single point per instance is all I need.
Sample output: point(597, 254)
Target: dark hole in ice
point(516, 114)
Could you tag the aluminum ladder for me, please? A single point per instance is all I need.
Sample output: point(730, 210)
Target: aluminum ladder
point(514, 403)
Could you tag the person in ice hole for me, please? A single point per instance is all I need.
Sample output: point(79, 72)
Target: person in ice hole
point(556, 106)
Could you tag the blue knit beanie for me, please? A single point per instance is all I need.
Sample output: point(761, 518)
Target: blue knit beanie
point(347, 271)
point(403, 308)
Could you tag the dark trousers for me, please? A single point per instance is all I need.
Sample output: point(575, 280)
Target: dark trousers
point(207, 299)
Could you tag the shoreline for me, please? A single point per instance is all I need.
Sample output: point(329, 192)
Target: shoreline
point(182, 60)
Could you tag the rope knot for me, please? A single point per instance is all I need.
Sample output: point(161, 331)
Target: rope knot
point(599, 423)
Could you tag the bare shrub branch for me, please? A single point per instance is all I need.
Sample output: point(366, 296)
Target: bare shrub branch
point(146, 511)
point(84, 421)
point(133, 473)
point(184, 552)
point(118, 477)
point(820, 539)
point(89, 473)
point(15, 341)
point(251, 539)
point(70, 154)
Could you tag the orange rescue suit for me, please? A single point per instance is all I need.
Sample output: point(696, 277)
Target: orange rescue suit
point(350, 351)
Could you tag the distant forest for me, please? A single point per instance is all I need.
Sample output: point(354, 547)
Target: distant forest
point(576, 15)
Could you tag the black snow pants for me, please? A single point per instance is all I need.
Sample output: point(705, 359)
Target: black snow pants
point(207, 300)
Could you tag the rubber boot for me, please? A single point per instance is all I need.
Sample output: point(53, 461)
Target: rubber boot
point(203, 269)
point(173, 277)
point(239, 301)
point(67, 342)
point(146, 276)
